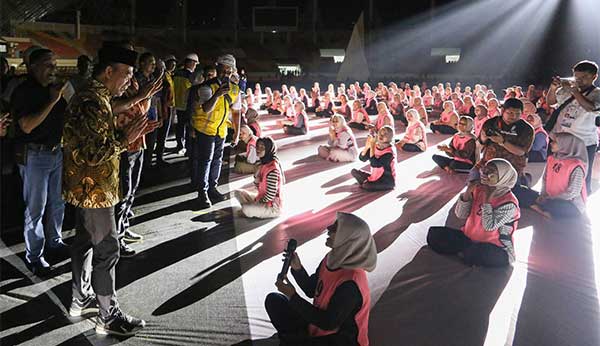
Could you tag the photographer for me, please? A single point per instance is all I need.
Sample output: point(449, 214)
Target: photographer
point(339, 314)
point(37, 107)
point(578, 106)
point(217, 99)
point(507, 137)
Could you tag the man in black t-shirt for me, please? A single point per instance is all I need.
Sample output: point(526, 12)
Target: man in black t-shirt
point(37, 108)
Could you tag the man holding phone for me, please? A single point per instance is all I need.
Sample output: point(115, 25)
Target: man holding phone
point(218, 98)
point(578, 100)
point(38, 107)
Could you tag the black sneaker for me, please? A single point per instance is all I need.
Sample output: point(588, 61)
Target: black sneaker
point(83, 307)
point(119, 323)
point(132, 237)
point(202, 202)
point(126, 251)
point(215, 196)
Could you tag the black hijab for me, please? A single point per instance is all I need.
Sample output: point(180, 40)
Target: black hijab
point(270, 149)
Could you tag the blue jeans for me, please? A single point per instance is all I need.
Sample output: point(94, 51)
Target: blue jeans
point(207, 156)
point(42, 185)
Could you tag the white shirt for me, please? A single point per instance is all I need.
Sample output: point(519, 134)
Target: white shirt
point(575, 119)
point(205, 93)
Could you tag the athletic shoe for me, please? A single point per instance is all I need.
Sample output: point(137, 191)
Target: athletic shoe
point(125, 250)
point(119, 323)
point(83, 307)
point(132, 237)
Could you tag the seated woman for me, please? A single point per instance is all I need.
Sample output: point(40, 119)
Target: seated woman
point(257, 92)
point(294, 93)
point(339, 313)
point(491, 211)
point(247, 162)
point(269, 99)
point(448, 120)
point(462, 149)
point(539, 149)
point(481, 116)
point(325, 108)
point(381, 154)
point(302, 96)
point(299, 124)
point(275, 107)
point(341, 146)
point(371, 102)
point(269, 180)
point(384, 118)
point(344, 108)
point(251, 117)
point(456, 100)
point(397, 109)
point(415, 139)
point(420, 108)
point(563, 184)
point(428, 99)
point(493, 107)
point(360, 118)
point(315, 93)
point(468, 108)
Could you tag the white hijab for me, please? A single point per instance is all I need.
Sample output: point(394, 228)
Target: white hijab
point(354, 247)
point(507, 177)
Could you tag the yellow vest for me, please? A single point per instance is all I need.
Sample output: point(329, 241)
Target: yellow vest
point(182, 85)
point(169, 80)
point(214, 123)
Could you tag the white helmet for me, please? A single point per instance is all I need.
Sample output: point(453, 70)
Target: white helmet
point(193, 57)
point(226, 59)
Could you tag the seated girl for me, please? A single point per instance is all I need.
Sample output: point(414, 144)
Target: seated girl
point(341, 146)
point(415, 139)
point(428, 99)
point(371, 102)
point(481, 116)
point(448, 120)
point(257, 92)
point(247, 162)
point(539, 149)
point(462, 149)
point(360, 118)
point(381, 154)
point(325, 108)
point(491, 211)
point(563, 184)
point(344, 108)
point(420, 108)
point(294, 93)
point(468, 108)
point(288, 110)
point(269, 180)
point(397, 109)
point(384, 118)
point(299, 124)
point(339, 313)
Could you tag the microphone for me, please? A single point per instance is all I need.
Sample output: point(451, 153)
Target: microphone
point(288, 252)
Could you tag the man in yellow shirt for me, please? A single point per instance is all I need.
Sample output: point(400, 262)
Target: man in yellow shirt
point(217, 99)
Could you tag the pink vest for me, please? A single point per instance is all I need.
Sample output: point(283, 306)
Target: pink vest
point(262, 174)
point(256, 127)
point(329, 281)
point(479, 124)
point(251, 144)
point(558, 174)
point(459, 143)
point(377, 172)
point(380, 121)
point(473, 227)
point(355, 116)
point(411, 134)
point(445, 117)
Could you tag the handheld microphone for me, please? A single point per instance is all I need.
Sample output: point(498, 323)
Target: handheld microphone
point(288, 252)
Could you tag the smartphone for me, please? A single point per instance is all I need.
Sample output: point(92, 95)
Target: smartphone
point(567, 79)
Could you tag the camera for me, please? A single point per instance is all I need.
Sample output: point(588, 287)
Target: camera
point(492, 132)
